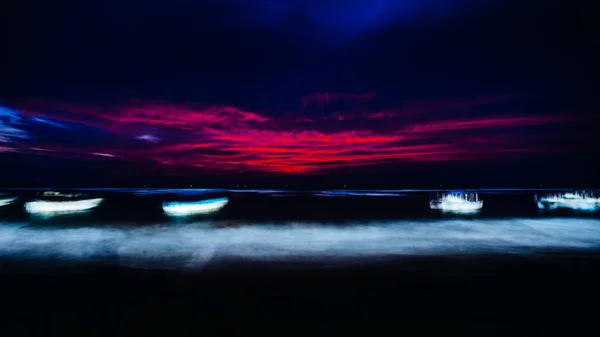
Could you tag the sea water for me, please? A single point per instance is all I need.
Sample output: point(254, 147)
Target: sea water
point(130, 229)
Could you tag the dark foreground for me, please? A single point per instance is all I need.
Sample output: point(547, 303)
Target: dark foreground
point(484, 295)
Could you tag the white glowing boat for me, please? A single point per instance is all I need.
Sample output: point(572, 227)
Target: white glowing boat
point(457, 203)
point(579, 201)
point(194, 207)
point(58, 203)
point(6, 201)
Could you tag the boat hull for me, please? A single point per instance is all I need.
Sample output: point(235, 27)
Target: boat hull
point(579, 201)
point(60, 207)
point(195, 207)
point(578, 205)
point(457, 207)
point(457, 203)
point(7, 201)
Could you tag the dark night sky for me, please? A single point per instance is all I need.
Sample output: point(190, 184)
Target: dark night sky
point(262, 91)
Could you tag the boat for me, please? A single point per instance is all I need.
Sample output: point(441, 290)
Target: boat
point(579, 201)
point(6, 199)
point(52, 202)
point(186, 208)
point(457, 203)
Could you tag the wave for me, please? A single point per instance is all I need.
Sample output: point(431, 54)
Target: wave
point(195, 245)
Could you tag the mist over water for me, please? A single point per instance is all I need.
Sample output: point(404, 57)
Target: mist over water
point(194, 245)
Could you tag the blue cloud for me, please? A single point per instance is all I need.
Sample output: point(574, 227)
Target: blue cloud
point(9, 126)
point(49, 122)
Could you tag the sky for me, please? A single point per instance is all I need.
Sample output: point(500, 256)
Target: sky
point(262, 91)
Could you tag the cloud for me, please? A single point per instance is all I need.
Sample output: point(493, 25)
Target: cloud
point(483, 123)
point(48, 122)
point(7, 149)
point(41, 149)
point(230, 139)
point(448, 106)
point(10, 122)
point(100, 154)
point(160, 114)
point(148, 138)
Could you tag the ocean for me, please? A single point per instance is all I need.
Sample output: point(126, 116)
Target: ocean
point(292, 259)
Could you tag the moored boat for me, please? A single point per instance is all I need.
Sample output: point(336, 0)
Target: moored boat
point(186, 208)
point(579, 201)
point(61, 203)
point(457, 203)
point(6, 199)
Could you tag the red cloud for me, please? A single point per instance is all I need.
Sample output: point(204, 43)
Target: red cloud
point(152, 113)
point(225, 138)
point(312, 151)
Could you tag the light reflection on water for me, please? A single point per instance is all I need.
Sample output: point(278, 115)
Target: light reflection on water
point(195, 245)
